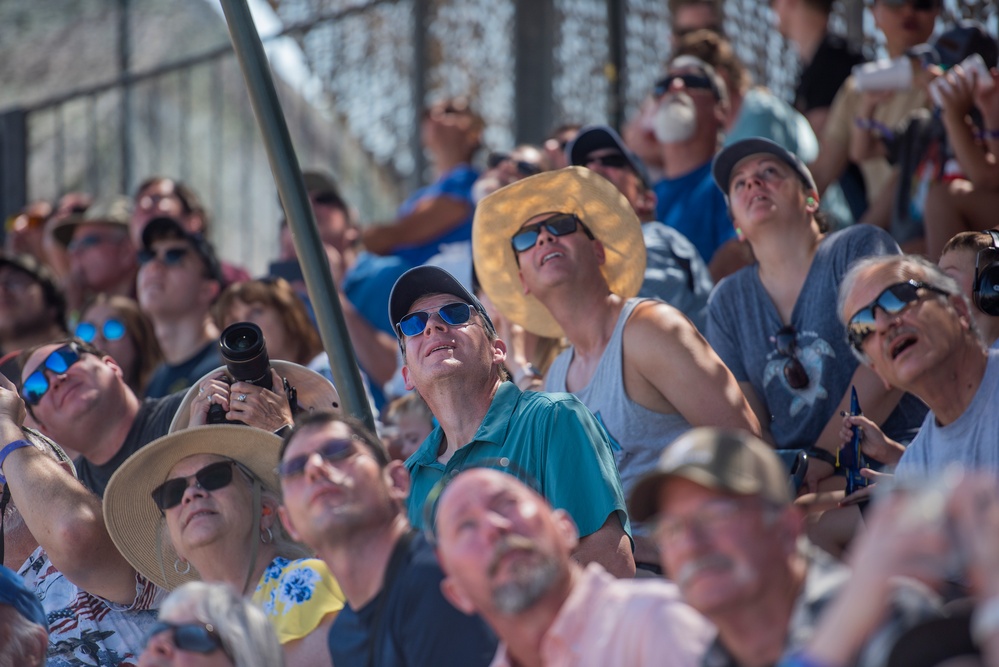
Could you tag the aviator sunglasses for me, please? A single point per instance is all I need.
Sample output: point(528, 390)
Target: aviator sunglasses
point(37, 384)
point(452, 314)
point(794, 371)
point(690, 81)
point(193, 637)
point(893, 300)
point(332, 451)
point(169, 257)
point(562, 224)
point(111, 330)
point(212, 477)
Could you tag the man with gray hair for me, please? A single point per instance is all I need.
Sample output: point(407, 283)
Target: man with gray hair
point(732, 541)
point(24, 633)
point(910, 322)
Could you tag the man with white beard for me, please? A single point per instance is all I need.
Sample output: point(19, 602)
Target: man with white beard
point(691, 109)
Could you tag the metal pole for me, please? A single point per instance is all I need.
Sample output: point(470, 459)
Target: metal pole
point(124, 68)
point(291, 189)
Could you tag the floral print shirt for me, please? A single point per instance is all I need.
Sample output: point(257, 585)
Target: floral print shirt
point(297, 595)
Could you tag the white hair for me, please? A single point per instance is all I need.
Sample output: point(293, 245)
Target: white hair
point(246, 634)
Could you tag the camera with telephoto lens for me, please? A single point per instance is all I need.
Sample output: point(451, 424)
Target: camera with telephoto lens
point(246, 360)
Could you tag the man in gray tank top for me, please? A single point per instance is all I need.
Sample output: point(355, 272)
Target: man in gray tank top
point(562, 254)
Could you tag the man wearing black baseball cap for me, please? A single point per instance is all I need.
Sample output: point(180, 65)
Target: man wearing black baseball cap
point(179, 280)
point(453, 357)
point(32, 307)
point(674, 270)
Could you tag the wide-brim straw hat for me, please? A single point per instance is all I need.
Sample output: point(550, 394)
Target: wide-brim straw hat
point(135, 523)
point(314, 392)
point(588, 195)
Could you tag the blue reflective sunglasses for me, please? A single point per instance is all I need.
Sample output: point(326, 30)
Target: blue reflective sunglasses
point(111, 330)
point(562, 224)
point(452, 314)
point(58, 362)
point(893, 300)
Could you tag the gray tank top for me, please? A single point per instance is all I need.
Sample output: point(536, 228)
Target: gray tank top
point(638, 435)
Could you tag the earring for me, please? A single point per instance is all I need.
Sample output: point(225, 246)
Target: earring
point(739, 235)
point(810, 201)
point(270, 537)
point(176, 566)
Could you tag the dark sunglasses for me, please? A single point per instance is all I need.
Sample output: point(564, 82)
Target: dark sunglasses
point(692, 81)
point(169, 257)
point(557, 225)
point(111, 330)
point(453, 314)
point(524, 168)
point(212, 477)
point(193, 637)
point(37, 384)
point(89, 241)
point(612, 160)
point(334, 450)
point(918, 5)
point(794, 371)
point(893, 300)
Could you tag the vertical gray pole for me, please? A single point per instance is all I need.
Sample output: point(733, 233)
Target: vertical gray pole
point(534, 66)
point(124, 69)
point(419, 86)
point(13, 161)
point(618, 69)
point(291, 188)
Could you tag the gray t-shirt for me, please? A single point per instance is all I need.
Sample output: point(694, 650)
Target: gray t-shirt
point(971, 440)
point(675, 272)
point(742, 327)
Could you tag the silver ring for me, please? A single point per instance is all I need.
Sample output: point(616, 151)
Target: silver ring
point(241, 397)
point(201, 390)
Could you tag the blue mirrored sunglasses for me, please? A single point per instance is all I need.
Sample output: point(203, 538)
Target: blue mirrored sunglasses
point(111, 330)
point(893, 300)
point(562, 224)
point(452, 314)
point(37, 384)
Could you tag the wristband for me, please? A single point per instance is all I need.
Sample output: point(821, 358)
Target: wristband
point(17, 444)
point(985, 620)
point(801, 659)
point(822, 455)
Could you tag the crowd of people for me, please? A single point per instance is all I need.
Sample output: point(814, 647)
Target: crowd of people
point(714, 390)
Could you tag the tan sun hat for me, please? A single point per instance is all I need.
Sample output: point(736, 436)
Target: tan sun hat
point(135, 523)
point(313, 390)
point(588, 195)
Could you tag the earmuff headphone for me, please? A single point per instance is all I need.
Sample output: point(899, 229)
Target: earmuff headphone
point(986, 287)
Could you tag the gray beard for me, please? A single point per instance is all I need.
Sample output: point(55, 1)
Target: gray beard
point(517, 596)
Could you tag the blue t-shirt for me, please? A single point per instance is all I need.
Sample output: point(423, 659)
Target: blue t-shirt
point(417, 626)
point(167, 379)
point(694, 206)
point(550, 439)
point(743, 321)
point(455, 184)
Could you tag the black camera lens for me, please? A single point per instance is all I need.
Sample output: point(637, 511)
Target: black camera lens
point(245, 354)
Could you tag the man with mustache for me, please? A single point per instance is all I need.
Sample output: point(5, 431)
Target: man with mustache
point(730, 538)
point(506, 555)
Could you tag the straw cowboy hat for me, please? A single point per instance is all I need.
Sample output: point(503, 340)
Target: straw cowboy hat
point(588, 195)
point(313, 391)
point(135, 523)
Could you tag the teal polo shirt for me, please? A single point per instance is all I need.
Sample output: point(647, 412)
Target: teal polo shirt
point(552, 438)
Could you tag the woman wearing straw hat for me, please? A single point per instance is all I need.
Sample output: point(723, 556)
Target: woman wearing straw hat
point(202, 504)
point(774, 323)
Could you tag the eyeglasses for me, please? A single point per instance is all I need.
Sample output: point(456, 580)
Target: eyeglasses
point(169, 257)
point(691, 81)
point(111, 330)
point(893, 300)
point(707, 520)
point(794, 371)
point(338, 449)
point(86, 242)
point(37, 384)
point(452, 314)
point(212, 477)
point(524, 168)
point(612, 160)
point(193, 637)
point(557, 225)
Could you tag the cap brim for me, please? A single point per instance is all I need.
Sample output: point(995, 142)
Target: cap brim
point(420, 281)
point(730, 156)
